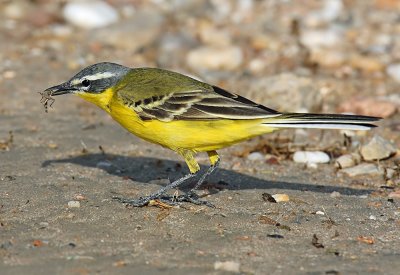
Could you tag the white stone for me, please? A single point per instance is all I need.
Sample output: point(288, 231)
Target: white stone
point(390, 173)
point(372, 217)
point(62, 30)
point(90, 14)
point(257, 65)
point(311, 157)
point(74, 204)
point(378, 148)
point(393, 71)
point(319, 212)
point(215, 58)
point(15, 9)
point(255, 156)
point(321, 38)
point(229, 266)
point(335, 194)
point(312, 165)
point(329, 12)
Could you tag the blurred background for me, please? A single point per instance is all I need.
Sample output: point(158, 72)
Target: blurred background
point(304, 55)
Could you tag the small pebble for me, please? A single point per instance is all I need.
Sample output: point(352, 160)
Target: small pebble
point(335, 194)
point(331, 10)
point(311, 157)
point(394, 194)
point(345, 161)
point(61, 30)
point(362, 169)
point(255, 156)
point(44, 224)
point(52, 145)
point(321, 38)
point(372, 217)
point(15, 9)
point(328, 58)
point(37, 243)
point(257, 65)
point(9, 74)
point(366, 64)
point(319, 212)
point(229, 266)
point(377, 149)
point(281, 197)
point(312, 165)
point(393, 71)
point(390, 173)
point(90, 14)
point(80, 197)
point(74, 204)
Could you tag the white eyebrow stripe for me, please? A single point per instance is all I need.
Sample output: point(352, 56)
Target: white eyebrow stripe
point(98, 76)
point(93, 77)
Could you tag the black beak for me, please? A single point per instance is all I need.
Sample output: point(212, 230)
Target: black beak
point(61, 89)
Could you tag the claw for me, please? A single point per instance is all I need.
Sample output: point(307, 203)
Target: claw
point(168, 200)
point(132, 202)
point(193, 198)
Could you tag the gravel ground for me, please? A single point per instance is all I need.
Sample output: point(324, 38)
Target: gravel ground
point(59, 170)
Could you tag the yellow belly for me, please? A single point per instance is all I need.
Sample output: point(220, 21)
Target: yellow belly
point(194, 135)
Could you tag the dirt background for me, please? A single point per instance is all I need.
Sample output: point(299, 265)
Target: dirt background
point(269, 51)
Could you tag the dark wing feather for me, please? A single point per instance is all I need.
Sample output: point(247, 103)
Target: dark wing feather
point(210, 105)
point(166, 96)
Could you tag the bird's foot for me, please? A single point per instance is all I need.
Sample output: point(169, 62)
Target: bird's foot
point(168, 200)
point(142, 201)
point(192, 197)
point(151, 200)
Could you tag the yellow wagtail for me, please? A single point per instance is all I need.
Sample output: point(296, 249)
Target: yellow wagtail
point(185, 115)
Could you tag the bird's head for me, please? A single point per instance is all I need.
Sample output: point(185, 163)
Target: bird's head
point(94, 83)
point(94, 79)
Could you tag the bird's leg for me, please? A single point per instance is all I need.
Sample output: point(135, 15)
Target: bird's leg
point(214, 159)
point(142, 201)
point(194, 168)
point(191, 196)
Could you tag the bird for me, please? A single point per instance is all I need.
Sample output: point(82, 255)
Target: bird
point(185, 115)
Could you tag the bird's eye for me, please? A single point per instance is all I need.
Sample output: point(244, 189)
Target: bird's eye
point(86, 83)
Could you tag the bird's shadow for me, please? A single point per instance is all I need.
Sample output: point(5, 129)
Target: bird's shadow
point(145, 169)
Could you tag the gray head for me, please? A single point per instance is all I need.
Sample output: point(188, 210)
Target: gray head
point(93, 79)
